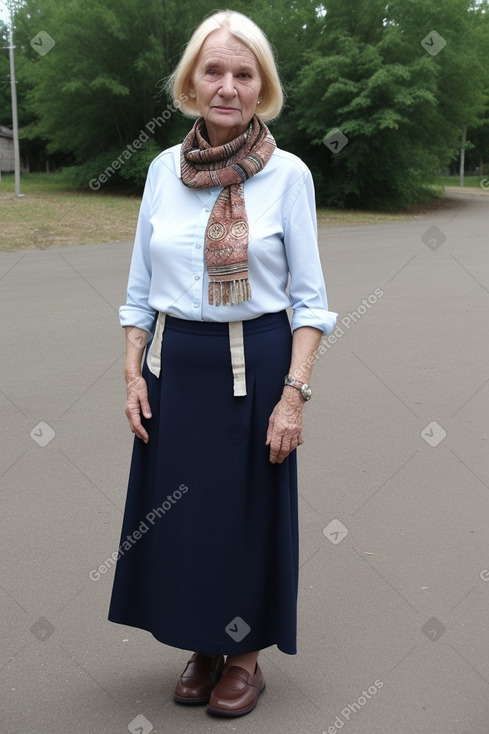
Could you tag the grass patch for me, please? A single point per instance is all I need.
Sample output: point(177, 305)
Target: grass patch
point(51, 215)
point(34, 183)
point(354, 216)
point(470, 182)
point(437, 201)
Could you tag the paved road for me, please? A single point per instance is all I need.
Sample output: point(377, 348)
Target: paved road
point(394, 598)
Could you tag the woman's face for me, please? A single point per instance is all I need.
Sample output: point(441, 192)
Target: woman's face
point(225, 84)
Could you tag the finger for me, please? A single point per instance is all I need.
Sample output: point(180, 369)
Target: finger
point(135, 424)
point(143, 435)
point(274, 452)
point(146, 408)
point(269, 431)
point(143, 400)
point(286, 448)
point(278, 449)
point(280, 458)
point(140, 432)
point(283, 453)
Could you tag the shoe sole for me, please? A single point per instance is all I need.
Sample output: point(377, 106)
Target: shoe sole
point(191, 701)
point(229, 714)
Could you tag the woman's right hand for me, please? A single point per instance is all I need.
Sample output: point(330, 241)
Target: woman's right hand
point(137, 403)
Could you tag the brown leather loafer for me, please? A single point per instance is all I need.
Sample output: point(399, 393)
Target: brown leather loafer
point(198, 679)
point(236, 693)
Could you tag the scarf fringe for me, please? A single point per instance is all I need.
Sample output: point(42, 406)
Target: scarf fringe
point(229, 292)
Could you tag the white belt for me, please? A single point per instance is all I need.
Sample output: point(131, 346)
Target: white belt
point(236, 345)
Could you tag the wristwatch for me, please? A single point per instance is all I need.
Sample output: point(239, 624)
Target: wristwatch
point(304, 389)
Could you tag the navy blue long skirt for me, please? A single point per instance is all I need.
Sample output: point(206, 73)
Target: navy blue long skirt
point(208, 559)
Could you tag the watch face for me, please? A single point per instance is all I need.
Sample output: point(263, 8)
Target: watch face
point(306, 392)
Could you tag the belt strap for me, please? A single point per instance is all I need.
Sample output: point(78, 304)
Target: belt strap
point(236, 344)
point(153, 358)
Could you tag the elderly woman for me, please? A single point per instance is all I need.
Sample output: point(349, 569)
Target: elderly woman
point(226, 242)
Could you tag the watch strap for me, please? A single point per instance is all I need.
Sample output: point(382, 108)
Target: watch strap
point(293, 382)
point(303, 387)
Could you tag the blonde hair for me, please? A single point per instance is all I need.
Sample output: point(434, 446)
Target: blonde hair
point(244, 29)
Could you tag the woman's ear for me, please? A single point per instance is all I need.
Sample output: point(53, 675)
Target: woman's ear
point(260, 96)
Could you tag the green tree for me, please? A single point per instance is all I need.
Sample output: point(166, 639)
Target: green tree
point(358, 65)
point(100, 85)
point(462, 72)
point(478, 125)
point(400, 106)
point(478, 148)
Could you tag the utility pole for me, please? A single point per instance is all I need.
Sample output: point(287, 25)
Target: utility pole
point(462, 155)
point(13, 88)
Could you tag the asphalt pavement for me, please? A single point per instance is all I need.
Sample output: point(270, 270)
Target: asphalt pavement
point(394, 496)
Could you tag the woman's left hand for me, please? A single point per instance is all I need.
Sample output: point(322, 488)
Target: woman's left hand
point(285, 426)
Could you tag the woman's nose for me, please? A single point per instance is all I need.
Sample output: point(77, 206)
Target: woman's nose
point(227, 87)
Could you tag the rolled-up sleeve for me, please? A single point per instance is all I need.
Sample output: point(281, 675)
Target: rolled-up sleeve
point(306, 285)
point(137, 311)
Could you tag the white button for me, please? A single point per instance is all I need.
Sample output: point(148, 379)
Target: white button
point(198, 246)
point(195, 305)
point(196, 277)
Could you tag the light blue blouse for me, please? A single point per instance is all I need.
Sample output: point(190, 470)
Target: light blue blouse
point(168, 272)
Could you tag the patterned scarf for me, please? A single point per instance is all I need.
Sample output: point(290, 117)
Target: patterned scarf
point(226, 236)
